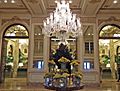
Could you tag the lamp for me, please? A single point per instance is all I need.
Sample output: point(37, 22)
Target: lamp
point(62, 23)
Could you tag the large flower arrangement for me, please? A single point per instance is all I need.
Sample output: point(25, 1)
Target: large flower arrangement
point(51, 62)
point(64, 75)
point(63, 60)
point(78, 75)
point(51, 65)
point(50, 74)
point(63, 69)
point(75, 62)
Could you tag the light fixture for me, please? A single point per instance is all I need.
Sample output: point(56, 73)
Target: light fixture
point(7, 1)
point(115, 1)
point(12, 1)
point(62, 23)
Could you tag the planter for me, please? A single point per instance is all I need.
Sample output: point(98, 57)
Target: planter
point(76, 81)
point(48, 81)
point(60, 82)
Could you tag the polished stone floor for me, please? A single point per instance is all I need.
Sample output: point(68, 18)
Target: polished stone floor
point(21, 85)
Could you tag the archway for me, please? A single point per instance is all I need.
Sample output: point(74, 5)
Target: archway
point(109, 40)
point(15, 51)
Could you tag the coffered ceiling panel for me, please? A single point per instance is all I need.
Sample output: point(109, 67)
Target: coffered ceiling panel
point(17, 5)
point(13, 8)
point(75, 6)
point(109, 4)
point(75, 3)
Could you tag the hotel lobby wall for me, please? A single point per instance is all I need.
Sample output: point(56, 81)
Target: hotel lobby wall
point(8, 21)
point(35, 75)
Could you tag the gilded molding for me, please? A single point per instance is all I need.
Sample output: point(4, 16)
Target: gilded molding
point(15, 18)
point(112, 18)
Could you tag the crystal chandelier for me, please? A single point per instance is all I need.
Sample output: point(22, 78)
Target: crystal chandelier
point(62, 23)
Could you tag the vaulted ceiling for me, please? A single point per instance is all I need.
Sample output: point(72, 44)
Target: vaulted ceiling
point(44, 7)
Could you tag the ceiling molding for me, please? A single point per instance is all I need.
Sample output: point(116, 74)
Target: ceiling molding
point(43, 7)
point(100, 5)
point(14, 11)
point(84, 6)
point(28, 7)
point(94, 1)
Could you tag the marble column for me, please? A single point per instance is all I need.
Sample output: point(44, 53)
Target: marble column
point(112, 58)
point(46, 53)
point(80, 51)
point(96, 53)
point(16, 58)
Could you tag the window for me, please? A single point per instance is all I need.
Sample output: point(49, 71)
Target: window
point(89, 47)
point(87, 65)
point(16, 31)
point(38, 41)
point(39, 64)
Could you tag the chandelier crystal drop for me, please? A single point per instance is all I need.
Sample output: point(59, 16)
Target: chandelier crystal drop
point(62, 23)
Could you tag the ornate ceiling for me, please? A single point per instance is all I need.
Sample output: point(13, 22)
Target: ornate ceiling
point(43, 7)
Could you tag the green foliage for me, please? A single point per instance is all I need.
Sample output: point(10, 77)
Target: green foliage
point(105, 59)
point(22, 57)
point(9, 59)
point(117, 59)
point(47, 75)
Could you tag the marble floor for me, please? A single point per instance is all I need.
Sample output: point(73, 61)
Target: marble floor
point(21, 85)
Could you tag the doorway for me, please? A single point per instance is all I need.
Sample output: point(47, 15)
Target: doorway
point(15, 52)
point(109, 40)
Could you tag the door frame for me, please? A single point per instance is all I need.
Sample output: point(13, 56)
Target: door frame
point(4, 29)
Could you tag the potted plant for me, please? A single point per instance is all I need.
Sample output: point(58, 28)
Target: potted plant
point(60, 80)
point(49, 79)
point(76, 77)
point(75, 64)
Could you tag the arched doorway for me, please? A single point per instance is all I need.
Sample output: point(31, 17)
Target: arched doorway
point(15, 52)
point(109, 40)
